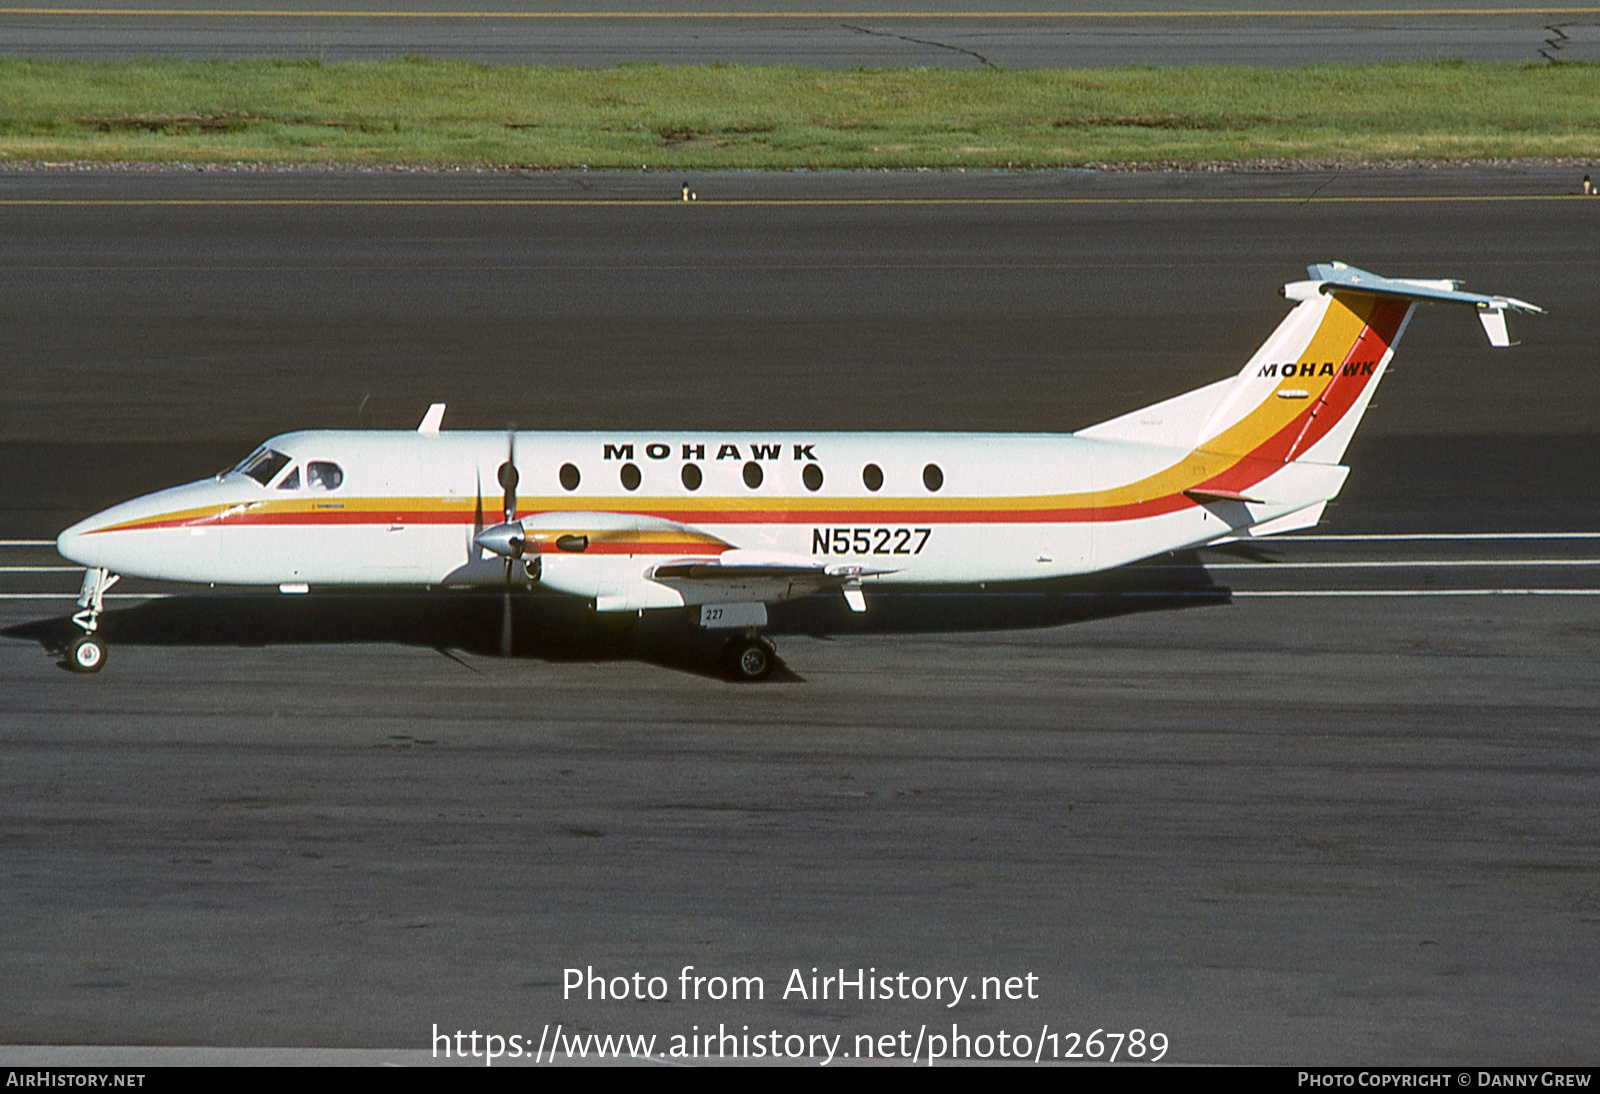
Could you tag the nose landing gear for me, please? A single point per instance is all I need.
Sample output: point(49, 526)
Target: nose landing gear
point(87, 653)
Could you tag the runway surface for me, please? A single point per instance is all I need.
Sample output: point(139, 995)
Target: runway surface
point(872, 35)
point(1327, 799)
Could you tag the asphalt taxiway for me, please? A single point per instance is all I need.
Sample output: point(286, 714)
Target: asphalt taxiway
point(1335, 804)
point(871, 35)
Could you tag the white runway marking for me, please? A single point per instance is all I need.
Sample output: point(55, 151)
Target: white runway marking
point(1373, 564)
point(1380, 564)
point(1444, 536)
point(1416, 592)
point(74, 596)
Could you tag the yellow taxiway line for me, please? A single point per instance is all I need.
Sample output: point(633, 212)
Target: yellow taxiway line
point(733, 202)
point(1240, 13)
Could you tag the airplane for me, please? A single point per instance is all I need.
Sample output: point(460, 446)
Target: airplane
point(717, 525)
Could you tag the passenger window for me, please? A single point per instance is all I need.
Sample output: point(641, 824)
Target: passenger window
point(630, 476)
point(264, 465)
point(691, 476)
point(872, 477)
point(752, 474)
point(322, 475)
point(812, 477)
point(570, 477)
point(932, 477)
point(291, 481)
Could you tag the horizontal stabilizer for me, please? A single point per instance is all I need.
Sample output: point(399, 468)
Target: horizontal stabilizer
point(1337, 275)
point(1330, 277)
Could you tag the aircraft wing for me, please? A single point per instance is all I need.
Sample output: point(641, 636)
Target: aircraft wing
point(748, 575)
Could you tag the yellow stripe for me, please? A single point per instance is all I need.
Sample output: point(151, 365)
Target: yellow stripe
point(708, 509)
point(1430, 199)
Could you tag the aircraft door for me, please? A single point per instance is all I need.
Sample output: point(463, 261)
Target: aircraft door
point(389, 543)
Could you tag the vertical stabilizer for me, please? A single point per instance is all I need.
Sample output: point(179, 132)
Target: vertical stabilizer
point(1311, 381)
point(1301, 396)
point(1262, 451)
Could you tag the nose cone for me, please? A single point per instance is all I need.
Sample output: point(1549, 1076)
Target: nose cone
point(67, 542)
point(133, 538)
point(79, 543)
point(506, 540)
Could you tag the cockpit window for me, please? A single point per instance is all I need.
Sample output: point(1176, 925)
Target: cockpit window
point(239, 467)
point(322, 475)
point(291, 481)
point(263, 464)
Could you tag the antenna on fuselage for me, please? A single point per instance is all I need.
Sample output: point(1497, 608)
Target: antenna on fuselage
point(431, 420)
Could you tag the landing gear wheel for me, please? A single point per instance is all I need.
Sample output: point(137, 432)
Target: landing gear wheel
point(86, 654)
point(748, 660)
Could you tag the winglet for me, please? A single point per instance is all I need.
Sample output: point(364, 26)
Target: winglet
point(431, 420)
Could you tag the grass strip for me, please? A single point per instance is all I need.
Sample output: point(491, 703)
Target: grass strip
point(423, 111)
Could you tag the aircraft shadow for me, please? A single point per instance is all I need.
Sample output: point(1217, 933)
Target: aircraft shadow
point(552, 627)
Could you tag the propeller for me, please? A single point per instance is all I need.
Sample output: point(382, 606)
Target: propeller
point(508, 481)
point(508, 475)
point(506, 539)
point(477, 519)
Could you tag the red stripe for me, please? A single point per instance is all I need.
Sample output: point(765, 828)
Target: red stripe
point(710, 516)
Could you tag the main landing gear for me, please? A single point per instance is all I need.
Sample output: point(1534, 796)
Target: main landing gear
point(87, 652)
point(748, 658)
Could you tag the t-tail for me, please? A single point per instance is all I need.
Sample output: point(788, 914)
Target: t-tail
point(1279, 429)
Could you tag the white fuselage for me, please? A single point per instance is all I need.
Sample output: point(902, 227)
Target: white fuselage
point(949, 507)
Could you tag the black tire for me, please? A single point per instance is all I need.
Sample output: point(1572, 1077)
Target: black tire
point(748, 660)
point(86, 654)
